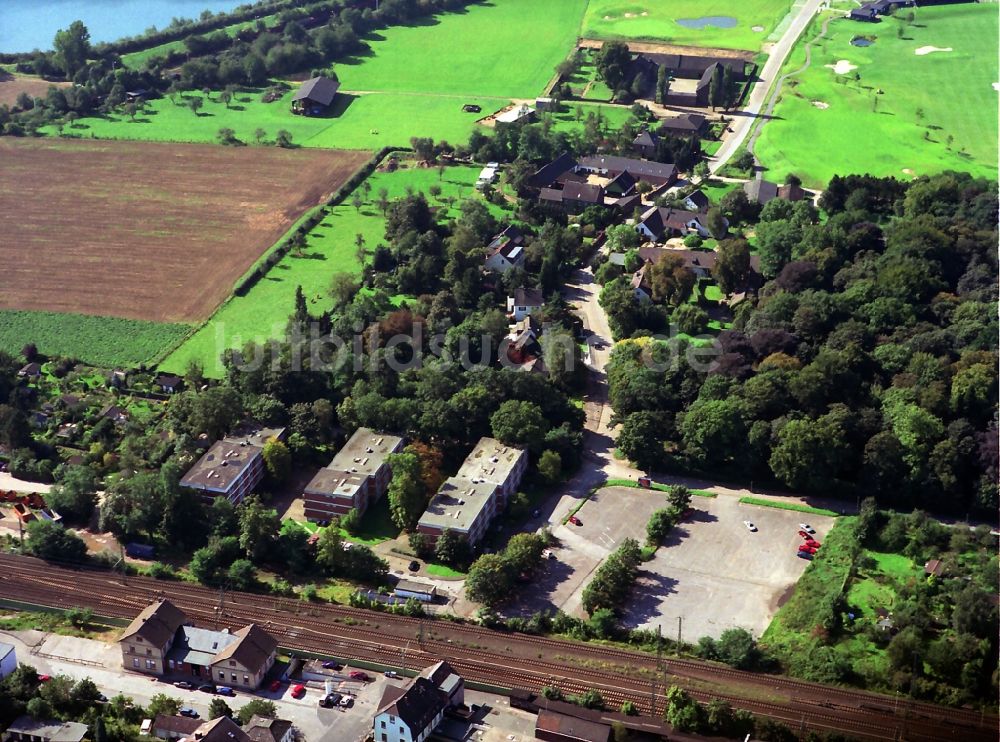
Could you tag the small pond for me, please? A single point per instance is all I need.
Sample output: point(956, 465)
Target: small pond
point(861, 41)
point(719, 21)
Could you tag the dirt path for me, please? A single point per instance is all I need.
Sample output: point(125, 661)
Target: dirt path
point(650, 48)
point(776, 93)
point(744, 120)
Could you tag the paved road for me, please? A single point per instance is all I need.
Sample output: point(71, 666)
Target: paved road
point(8, 482)
point(744, 120)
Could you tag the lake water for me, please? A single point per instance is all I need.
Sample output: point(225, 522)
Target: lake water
point(861, 41)
point(32, 24)
point(719, 21)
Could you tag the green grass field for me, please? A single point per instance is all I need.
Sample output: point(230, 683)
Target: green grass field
point(657, 21)
point(358, 122)
point(787, 506)
point(566, 119)
point(503, 49)
point(864, 132)
point(136, 60)
point(330, 249)
point(102, 341)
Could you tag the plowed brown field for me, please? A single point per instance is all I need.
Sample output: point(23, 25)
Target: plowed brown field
point(147, 230)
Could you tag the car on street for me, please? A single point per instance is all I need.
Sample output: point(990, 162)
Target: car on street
point(189, 712)
point(207, 688)
point(811, 542)
point(804, 534)
point(805, 555)
point(807, 528)
point(358, 675)
point(44, 678)
point(184, 685)
point(391, 674)
point(548, 554)
point(225, 690)
point(331, 665)
point(330, 700)
point(346, 702)
point(575, 521)
point(414, 566)
point(750, 526)
point(808, 549)
point(298, 691)
point(275, 686)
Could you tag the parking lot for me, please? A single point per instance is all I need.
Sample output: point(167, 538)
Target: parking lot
point(711, 572)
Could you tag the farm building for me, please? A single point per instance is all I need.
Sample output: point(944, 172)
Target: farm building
point(314, 96)
point(686, 125)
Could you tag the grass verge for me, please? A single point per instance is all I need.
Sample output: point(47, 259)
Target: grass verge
point(788, 506)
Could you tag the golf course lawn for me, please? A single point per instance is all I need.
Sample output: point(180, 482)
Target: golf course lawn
point(656, 20)
point(330, 248)
point(356, 122)
point(507, 48)
point(863, 132)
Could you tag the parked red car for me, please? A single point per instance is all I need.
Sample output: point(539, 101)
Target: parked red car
point(809, 549)
point(358, 675)
point(804, 534)
point(275, 686)
point(575, 521)
point(298, 691)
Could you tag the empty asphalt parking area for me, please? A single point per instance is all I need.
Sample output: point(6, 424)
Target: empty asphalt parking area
point(714, 574)
point(711, 572)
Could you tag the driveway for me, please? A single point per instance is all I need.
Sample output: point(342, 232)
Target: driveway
point(10, 482)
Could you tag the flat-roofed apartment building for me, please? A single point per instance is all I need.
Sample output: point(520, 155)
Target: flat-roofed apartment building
point(234, 466)
point(467, 503)
point(357, 476)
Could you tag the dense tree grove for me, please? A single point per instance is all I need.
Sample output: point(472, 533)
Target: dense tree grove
point(866, 366)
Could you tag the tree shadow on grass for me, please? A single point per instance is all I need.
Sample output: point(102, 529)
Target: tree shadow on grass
point(311, 256)
point(237, 108)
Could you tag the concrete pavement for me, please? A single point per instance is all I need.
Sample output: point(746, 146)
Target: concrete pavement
point(10, 482)
point(744, 120)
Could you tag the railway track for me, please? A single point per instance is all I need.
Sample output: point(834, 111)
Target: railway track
point(497, 658)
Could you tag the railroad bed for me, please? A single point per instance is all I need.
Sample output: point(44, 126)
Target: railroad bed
point(494, 657)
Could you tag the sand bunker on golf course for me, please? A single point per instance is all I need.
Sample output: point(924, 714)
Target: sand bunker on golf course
point(928, 49)
point(842, 67)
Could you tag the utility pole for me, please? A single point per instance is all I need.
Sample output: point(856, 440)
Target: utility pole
point(680, 620)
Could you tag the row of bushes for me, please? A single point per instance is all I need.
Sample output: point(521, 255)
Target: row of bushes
point(310, 222)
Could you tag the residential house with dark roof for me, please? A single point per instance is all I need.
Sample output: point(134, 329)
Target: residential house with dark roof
point(505, 258)
point(220, 729)
point(408, 713)
point(577, 197)
point(27, 729)
point(510, 234)
point(548, 174)
point(685, 125)
point(621, 185)
point(645, 143)
point(654, 173)
point(659, 223)
point(161, 641)
point(699, 262)
point(521, 344)
point(174, 726)
point(698, 202)
point(30, 371)
point(762, 191)
point(449, 683)
point(357, 476)
point(524, 302)
point(114, 413)
point(315, 96)
point(263, 729)
point(169, 383)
